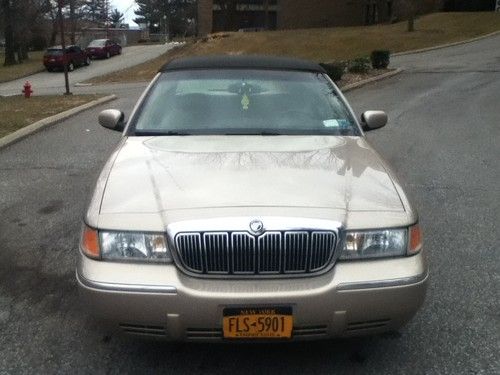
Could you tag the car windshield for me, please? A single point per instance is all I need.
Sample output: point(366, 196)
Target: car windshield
point(54, 52)
point(97, 43)
point(238, 101)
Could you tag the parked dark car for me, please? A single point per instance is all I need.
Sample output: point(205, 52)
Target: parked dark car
point(73, 57)
point(103, 49)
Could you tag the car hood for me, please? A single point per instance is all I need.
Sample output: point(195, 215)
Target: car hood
point(158, 174)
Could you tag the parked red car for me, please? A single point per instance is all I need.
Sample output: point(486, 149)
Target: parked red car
point(103, 48)
point(73, 57)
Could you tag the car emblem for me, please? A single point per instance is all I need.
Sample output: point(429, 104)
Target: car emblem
point(257, 227)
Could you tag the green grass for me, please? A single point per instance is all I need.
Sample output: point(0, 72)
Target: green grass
point(17, 112)
point(28, 67)
point(327, 44)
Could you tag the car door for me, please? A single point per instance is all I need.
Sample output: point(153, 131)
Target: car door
point(108, 48)
point(114, 47)
point(78, 55)
point(69, 55)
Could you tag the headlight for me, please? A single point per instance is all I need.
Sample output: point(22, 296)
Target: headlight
point(150, 247)
point(375, 244)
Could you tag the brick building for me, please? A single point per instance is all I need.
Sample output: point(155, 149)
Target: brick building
point(469, 6)
point(296, 14)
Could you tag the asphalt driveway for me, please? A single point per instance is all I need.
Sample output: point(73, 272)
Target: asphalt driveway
point(53, 83)
point(443, 141)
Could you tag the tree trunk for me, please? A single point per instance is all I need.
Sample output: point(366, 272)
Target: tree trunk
point(23, 53)
point(266, 15)
point(411, 23)
point(53, 34)
point(72, 20)
point(53, 19)
point(10, 52)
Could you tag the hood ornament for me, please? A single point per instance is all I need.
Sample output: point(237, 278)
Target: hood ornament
point(256, 227)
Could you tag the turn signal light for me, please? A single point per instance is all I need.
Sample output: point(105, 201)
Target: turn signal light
point(415, 239)
point(90, 242)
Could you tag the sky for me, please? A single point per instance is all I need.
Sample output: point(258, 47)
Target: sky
point(127, 7)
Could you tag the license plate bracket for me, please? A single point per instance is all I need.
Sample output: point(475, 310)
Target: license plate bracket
point(258, 322)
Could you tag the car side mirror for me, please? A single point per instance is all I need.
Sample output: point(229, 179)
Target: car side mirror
point(112, 119)
point(372, 120)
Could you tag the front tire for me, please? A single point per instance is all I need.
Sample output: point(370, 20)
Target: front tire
point(87, 61)
point(108, 55)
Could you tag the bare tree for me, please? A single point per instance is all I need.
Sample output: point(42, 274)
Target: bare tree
point(10, 54)
point(266, 14)
point(410, 9)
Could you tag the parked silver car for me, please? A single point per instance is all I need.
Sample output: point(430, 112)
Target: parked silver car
point(243, 203)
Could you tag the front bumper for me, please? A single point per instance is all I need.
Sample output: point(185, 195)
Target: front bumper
point(53, 65)
point(354, 298)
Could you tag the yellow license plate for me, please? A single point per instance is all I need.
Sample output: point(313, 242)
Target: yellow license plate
point(255, 323)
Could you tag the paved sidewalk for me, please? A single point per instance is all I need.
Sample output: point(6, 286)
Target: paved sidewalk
point(53, 83)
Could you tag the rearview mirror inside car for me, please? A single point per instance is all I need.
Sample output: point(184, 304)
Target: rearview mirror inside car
point(112, 119)
point(372, 120)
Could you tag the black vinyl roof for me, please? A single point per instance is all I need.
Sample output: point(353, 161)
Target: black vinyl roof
point(242, 62)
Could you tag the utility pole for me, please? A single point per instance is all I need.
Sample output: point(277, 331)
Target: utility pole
point(60, 4)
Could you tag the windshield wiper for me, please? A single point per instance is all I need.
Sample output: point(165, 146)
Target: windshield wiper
point(160, 133)
point(256, 133)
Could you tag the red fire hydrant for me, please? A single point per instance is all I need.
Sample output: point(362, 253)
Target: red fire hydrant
point(27, 90)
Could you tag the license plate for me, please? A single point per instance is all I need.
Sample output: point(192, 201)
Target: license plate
point(255, 323)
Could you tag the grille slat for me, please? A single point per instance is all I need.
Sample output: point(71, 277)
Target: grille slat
point(241, 253)
point(216, 252)
point(190, 251)
point(269, 253)
point(296, 249)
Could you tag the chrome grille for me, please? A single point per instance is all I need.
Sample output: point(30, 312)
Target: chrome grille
point(241, 253)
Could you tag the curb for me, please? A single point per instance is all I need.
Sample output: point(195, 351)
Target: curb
point(446, 45)
point(49, 121)
point(380, 77)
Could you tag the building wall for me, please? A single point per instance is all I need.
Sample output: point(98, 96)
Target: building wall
point(294, 14)
point(205, 17)
point(468, 5)
point(297, 14)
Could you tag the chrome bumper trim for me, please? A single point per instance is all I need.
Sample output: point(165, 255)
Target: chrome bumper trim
point(383, 283)
point(129, 288)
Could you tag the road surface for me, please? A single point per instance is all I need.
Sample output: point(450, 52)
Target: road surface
point(443, 141)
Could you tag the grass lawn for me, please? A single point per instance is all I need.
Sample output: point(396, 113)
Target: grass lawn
point(28, 67)
point(17, 112)
point(328, 44)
